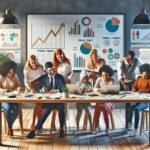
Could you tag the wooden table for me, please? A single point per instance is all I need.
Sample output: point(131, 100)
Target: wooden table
point(86, 99)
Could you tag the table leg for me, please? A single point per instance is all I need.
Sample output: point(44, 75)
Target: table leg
point(0, 124)
point(149, 123)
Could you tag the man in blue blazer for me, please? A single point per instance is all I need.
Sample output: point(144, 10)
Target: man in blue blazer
point(50, 82)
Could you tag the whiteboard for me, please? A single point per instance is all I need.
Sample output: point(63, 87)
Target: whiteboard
point(76, 35)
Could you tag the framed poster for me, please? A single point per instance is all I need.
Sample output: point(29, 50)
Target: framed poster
point(10, 39)
point(76, 35)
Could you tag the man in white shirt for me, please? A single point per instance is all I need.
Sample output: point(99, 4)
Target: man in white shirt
point(126, 70)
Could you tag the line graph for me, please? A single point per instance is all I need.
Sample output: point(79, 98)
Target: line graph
point(48, 36)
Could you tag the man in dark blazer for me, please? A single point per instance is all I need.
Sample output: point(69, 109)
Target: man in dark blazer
point(53, 83)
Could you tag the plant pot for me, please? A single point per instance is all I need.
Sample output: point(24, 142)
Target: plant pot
point(65, 95)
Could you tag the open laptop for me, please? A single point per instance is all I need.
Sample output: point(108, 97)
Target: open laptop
point(110, 89)
point(73, 89)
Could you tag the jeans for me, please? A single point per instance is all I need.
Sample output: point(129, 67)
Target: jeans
point(137, 107)
point(11, 110)
point(46, 111)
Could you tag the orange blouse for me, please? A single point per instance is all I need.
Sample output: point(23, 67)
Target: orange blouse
point(142, 84)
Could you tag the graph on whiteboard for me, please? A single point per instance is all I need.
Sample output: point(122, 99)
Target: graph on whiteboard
point(76, 35)
point(48, 36)
point(10, 38)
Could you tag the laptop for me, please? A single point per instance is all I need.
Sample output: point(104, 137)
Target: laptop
point(110, 89)
point(73, 89)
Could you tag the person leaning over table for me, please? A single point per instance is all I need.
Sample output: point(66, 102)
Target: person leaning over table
point(106, 73)
point(126, 70)
point(62, 66)
point(142, 85)
point(94, 63)
point(8, 83)
point(32, 71)
point(52, 83)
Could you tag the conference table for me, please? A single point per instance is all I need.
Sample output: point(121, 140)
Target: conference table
point(88, 98)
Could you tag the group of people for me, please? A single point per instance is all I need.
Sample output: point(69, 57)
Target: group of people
point(54, 78)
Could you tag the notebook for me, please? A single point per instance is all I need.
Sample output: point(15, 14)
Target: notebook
point(110, 89)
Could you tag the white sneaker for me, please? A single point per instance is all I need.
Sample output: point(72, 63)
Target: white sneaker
point(95, 131)
point(135, 132)
point(129, 126)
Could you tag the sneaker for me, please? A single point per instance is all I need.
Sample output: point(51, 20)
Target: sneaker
point(135, 132)
point(95, 131)
point(107, 131)
point(129, 126)
point(61, 134)
point(31, 135)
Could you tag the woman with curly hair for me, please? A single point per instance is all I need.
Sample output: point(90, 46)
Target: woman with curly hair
point(142, 85)
point(106, 73)
point(9, 82)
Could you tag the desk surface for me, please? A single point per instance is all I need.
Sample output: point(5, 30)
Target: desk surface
point(37, 98)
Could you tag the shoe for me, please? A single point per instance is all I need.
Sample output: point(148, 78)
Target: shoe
point(129, 126)
point(31, 135)
point(10, 132)
point(61, 134)
point(53, 128)
point(107, 131)
point(95, 131)
point(135, 132)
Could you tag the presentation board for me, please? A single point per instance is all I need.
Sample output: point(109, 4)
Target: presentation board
point(76, 35)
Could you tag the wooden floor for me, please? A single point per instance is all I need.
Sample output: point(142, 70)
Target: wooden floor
point(117, 140)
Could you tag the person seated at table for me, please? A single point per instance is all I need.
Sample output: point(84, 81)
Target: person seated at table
point(106, 73)
point(85, 86)
point(142, 85)
point(52, 83)
point(32, 71)
point(8, 83)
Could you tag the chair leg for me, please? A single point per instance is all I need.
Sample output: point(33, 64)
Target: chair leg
point(112, 121)
point(142, 122)
point(21, 119)
point(146, 120)
point(5, 123)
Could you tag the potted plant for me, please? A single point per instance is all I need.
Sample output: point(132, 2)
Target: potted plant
point(65, 92)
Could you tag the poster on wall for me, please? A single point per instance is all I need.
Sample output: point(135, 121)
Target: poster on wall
point(76, 35)
point(140, 38)
point(14, 55)
point(10, 39)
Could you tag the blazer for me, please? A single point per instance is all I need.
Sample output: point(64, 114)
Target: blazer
point(44, 82)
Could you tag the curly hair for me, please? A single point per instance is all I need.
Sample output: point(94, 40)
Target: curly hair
point(4, 69)
point(107, 69)
point(145, 68)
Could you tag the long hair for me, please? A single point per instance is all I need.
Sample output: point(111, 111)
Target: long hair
point(93, 52)
point(55, 61)
point(27, 65)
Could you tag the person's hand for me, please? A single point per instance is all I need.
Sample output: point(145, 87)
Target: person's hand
point(133, 89)
point(141, 91)
point(8, 90)
point(99, 90)
point(19, 90)
point(33, 90)
point(53, 91)
point(28, 89)
point(126, 88)
point(43, 90)
point(82, 90)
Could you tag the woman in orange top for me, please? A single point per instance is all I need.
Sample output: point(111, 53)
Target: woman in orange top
point(142, 85)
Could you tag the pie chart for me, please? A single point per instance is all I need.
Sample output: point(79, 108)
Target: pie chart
point(112, 25)
point(85, 48)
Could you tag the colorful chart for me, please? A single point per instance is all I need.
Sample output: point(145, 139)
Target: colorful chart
point(86, 21)
point(79, 61)
point(10, 39)
point(88, 33)
point(76, 29)
point(112, 25)
point(85, 48)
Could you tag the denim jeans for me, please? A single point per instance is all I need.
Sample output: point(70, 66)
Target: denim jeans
point(136, 107)
point(11, 110)
point(47, 110)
